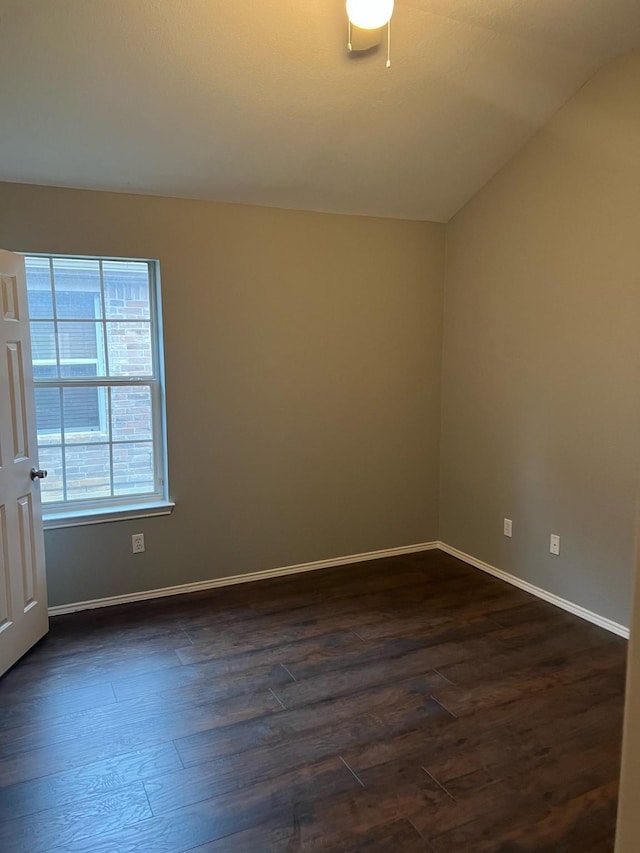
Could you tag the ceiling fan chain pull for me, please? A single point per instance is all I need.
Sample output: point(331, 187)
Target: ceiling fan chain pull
point(389, 43)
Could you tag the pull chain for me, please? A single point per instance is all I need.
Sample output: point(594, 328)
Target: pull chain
point(349, 46)
point(389, 44)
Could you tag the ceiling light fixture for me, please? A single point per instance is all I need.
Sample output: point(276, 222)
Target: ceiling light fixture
point(371, 15)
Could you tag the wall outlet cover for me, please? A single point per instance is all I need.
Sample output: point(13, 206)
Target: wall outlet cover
point(137, 543)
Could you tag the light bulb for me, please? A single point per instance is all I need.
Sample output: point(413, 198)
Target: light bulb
point(370, 14)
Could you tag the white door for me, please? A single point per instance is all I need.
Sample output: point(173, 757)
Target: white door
point(23, 593)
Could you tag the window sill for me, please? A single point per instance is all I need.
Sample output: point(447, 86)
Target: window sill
point(78, 518)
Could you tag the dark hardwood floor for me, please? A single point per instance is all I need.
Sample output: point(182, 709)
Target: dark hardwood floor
point(407, 704)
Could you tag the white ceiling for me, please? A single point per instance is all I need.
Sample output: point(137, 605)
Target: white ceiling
point(256, 101)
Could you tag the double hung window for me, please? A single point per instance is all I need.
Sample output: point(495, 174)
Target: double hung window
point(95, 341)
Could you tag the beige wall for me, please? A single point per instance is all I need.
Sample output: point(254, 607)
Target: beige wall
point(541, 416)
point(303, 372)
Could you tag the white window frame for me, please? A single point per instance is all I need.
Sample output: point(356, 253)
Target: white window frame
point(71, 513)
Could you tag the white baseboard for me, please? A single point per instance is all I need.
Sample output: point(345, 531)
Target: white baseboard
point(563, 603)
point(576, 609)
point(235, 579)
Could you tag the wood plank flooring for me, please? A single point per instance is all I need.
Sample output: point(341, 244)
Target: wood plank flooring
point(407, 704)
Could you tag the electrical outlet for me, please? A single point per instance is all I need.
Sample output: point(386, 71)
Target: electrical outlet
point(554, 544)
point(137, 543)
point(508, 527)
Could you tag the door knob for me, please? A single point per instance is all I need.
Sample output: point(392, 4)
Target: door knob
point(38, 474)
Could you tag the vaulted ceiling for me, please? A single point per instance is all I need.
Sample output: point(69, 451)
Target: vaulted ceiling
point(257, 101)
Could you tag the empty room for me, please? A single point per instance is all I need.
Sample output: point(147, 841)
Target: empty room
point(319, 426)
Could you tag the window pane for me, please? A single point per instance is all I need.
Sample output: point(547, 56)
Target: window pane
point(39, 287)
point(88, 471)
point(129, 346)
point(86, 415)
point(133, 468)
point(131, 413)
point(43, 349)
point(81, 349)
point(77, 288)
point(48, 415)
point(77, 305)
point(126, 290)
point(50, 458)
